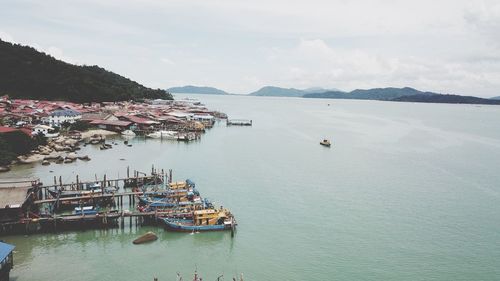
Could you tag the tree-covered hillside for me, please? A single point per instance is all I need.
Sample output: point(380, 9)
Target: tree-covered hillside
point(370, 94)
point(28, 73)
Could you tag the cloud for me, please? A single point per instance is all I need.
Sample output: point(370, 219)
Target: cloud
point(58, 54)
point(448, 45)
point(167, 61)
point(6, 37)
point(314, 62)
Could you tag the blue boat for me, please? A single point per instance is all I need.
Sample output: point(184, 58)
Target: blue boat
point(86, 211)
point(170, 203)
point(203, 220)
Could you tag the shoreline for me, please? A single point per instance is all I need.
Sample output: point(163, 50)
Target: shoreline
point(61, 149)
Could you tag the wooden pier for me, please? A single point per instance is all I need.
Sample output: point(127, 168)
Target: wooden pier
point(238, 122)
point(36, 210)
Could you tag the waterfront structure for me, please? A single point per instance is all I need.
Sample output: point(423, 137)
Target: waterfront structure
point(6, 260)
point(14, 198)
point(112, 125)
point(239, 122)
point(27, 206)
point(58, 117)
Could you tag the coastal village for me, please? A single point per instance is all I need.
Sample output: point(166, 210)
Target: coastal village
point(141, 198)
point(181, 120)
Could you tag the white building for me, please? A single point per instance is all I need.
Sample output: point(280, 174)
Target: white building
point(58, 117)
point(45, 130)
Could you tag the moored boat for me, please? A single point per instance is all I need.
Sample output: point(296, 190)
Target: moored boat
point(169, 135)
point(86, 210)
point(129, 133)
point(203, 220)
point(154, 135)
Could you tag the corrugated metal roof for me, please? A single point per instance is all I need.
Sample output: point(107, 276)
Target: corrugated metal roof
point(5, 250)
point(12, 196)
point(7, 129)
point(65, 112)
point(111, 123)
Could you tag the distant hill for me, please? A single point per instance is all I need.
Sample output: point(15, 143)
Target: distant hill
point(28, 73)
point(438, 98)
point(271, 91)
point(495, 98)
point(197, 90)
point(370, 94)
point(319, 90)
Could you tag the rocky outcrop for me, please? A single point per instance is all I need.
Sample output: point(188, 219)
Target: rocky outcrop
point(4, 169)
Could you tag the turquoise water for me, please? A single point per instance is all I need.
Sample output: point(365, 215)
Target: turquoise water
point(407, 192)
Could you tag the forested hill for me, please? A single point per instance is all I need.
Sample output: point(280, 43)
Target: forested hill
point(271, 91)
point(371, 94)
point(28, 73)
point(447, 99)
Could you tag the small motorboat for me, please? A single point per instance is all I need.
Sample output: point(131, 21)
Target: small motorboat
point(128, 133)
point(147, 237)
point(325, 142)
point(155, 135)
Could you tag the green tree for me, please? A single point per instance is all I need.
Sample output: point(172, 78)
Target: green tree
point(6, 153)
point(40, 139)
point(80, 125)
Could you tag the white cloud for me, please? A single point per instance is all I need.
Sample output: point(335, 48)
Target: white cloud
point(6, 37)
point(167, 61)
point(448, 45)
point(321, 64)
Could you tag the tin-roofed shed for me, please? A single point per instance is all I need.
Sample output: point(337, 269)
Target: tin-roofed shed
point(6, 260)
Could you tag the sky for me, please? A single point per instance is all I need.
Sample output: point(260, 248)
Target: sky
point(446, 46)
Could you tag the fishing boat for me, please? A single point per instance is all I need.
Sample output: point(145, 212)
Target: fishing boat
point(325, 142)
point(147, 237)
point(186, 137)
point(168, 202)
point(86, 210)
point(154, 135)
point(169, 135)
point(128, 133)
point(203, 220)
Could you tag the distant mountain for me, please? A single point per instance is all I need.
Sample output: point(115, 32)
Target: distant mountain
point(28, 73)
point(197, 90)
point(370, 94)
point(320, 90)
point(271, 91)
point(438, 98)
point(495, 98)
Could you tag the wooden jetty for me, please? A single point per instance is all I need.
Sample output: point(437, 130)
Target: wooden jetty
point(27, 206)
point(32, 207)
point(239, 122)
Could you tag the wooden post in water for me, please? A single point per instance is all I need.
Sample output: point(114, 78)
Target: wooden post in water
point(60, 181)
point(77, 183)
point(123, 220)
point(128, 172)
